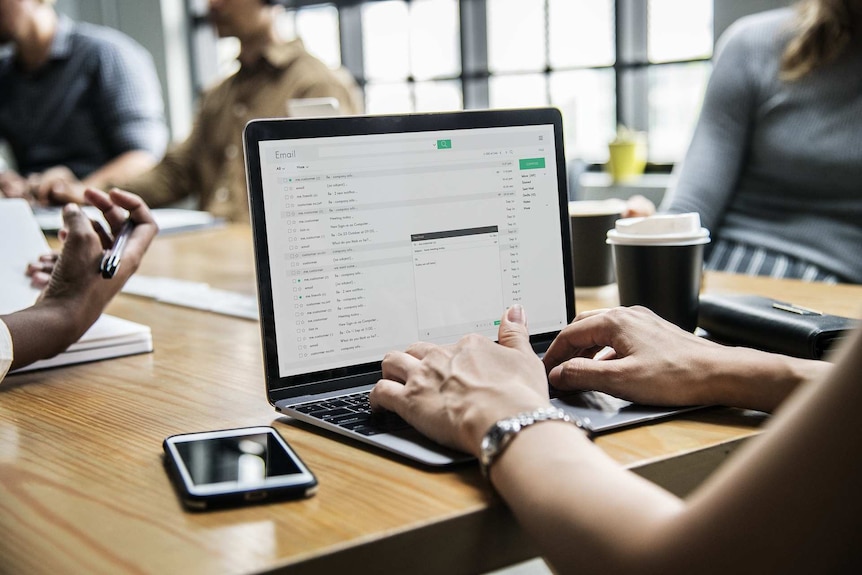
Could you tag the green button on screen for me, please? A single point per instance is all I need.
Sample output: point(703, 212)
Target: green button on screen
point(532, 163)
point(444, 144)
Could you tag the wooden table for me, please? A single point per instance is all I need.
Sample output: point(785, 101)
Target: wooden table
point(82, 488)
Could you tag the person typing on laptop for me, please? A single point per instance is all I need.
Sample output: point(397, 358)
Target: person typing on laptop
point(788, 503)
point(76, 293)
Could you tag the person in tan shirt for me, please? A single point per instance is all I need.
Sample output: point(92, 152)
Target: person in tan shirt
point(209, 164)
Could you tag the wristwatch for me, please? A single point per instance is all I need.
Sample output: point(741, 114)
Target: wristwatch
point(504, 431)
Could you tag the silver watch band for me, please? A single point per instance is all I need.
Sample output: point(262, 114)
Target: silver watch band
point(498, 437)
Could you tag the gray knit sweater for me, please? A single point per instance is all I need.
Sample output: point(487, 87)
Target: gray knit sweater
point(779, 164)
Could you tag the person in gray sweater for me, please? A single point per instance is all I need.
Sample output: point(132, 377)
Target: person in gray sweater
point(775, 164)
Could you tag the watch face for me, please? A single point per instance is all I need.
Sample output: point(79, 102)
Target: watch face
point(487, 450)
point(496, 439)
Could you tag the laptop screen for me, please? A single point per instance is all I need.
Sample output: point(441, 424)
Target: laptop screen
point(372, 240)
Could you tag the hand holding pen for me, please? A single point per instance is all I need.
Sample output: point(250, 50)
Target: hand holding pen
point(133, 226)
point(76, 295)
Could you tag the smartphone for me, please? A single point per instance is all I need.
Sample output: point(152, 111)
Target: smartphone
point(231, 467)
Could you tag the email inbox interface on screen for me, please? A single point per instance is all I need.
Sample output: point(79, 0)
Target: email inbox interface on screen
point(378, 241)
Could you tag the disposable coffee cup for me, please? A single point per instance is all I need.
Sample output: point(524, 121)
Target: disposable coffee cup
point(659, 264)
point(592, 257)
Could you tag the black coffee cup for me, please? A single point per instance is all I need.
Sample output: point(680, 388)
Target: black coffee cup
point(659, 264)
point(592, 257)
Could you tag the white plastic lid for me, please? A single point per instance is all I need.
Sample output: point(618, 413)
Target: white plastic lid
point(596, 207)
point(660, 230)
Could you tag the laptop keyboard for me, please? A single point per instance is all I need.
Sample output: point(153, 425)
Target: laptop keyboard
point(353, 412)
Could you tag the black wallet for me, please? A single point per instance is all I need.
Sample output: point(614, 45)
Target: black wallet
point(771, 325)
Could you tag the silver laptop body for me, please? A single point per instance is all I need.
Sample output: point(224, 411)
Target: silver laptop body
point(373, 232)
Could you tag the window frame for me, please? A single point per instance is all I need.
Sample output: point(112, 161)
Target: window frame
point(630, 65)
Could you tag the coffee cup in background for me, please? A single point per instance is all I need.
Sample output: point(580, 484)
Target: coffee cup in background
point(659, 264)
point(591, 255)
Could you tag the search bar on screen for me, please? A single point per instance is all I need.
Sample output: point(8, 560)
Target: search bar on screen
point(388, 148)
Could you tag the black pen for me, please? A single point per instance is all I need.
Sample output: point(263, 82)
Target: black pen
point(111, 261)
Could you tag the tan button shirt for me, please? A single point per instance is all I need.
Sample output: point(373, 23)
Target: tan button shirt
point(209, 165)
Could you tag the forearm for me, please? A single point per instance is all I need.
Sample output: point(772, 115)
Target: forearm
point(42, 331)
point(176, 176)
point(759, 380)
point(122, 168)
point(716, 156)
point(585, 511)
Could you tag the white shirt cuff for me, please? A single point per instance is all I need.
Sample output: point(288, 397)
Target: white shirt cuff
point(5, 350)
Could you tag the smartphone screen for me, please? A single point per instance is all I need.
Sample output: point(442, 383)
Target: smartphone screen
point(236, 466)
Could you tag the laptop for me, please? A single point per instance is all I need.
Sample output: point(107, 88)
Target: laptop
point(374, 232)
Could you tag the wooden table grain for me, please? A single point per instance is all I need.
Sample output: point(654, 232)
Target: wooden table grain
point(83, 489)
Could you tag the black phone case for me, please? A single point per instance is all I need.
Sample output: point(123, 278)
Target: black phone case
point(236, 499)
point(239, 498)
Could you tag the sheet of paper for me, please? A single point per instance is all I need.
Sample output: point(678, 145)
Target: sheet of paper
point(170, 220)
point(195, 295)
point(21, 242)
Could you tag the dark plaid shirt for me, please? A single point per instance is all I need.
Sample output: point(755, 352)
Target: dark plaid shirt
point(97, 97)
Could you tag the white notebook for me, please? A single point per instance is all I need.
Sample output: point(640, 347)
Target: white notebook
point(22, 242)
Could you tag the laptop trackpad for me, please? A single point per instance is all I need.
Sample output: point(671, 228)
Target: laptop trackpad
point(599, 411)
point(418, 447)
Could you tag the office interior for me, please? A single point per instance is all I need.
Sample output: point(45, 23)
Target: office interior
point(608, 65)
point(638, 64)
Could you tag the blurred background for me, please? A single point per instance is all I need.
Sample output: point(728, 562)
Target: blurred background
point(640, 63)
